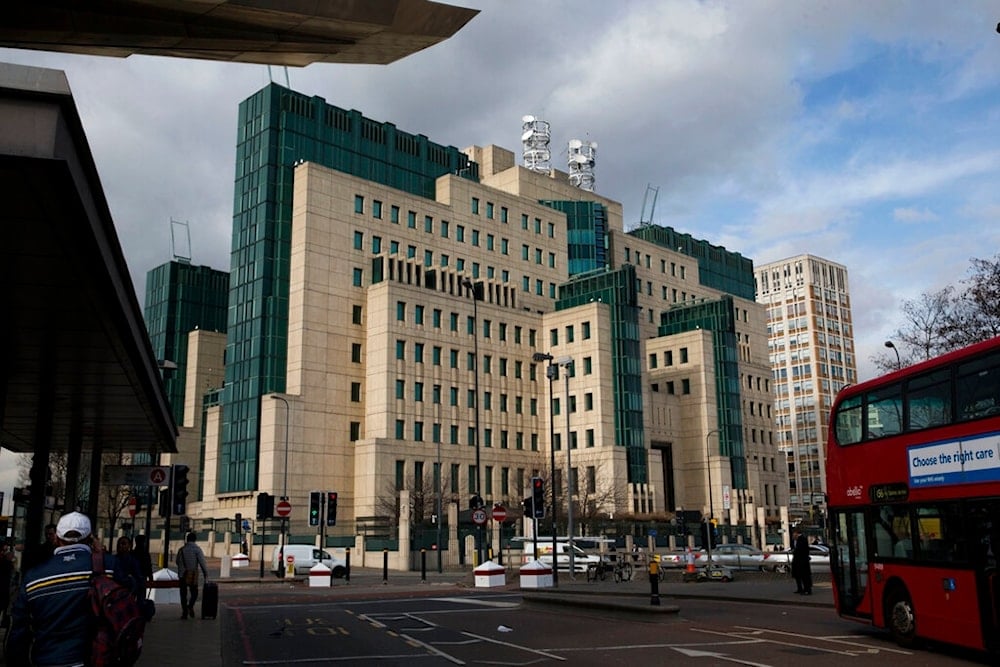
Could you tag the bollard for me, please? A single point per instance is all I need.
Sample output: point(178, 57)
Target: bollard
point(347, 566)
point(423, 565)
point(654, 583)
point(385, 566)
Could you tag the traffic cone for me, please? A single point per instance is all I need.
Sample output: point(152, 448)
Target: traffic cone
point(689, 557)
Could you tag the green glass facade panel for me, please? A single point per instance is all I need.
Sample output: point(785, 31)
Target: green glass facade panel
point(719, 318)
point(726, 271)
point(618, 289)
point(179, 299)
point(586, 234)
point(278, 128)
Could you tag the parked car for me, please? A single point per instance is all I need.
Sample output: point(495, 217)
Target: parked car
point(306, 556)
point(781, 561)
point(677, 558)
point(737, 557)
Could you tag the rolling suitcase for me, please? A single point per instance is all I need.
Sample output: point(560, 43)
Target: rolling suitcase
point(210, 600)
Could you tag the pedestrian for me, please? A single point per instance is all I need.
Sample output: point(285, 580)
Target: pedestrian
point(141, 551)
point(40, 553)
point(51, 621)
point(7, 566)
point(190, 558)
point(130, 569)
point(801, 569)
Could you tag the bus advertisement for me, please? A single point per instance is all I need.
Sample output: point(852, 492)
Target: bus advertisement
point(913, 484)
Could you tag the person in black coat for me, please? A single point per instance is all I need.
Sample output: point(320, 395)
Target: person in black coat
point(801, 569)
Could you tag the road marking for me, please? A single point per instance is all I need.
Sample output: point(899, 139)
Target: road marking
point(692, 653)
point(342, 658)
point(835, 639)
point(436, 651)
point(479, 602)
point(773, 641)
point(514, 646)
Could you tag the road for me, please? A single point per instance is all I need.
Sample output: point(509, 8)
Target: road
point(494, 629)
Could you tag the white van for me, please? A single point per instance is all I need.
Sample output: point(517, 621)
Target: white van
point(581, 559)
point(306, 555)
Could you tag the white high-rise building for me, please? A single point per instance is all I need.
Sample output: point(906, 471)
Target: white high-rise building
point(811, 347)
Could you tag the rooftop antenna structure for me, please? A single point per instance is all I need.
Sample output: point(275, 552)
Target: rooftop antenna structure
point(270, 76)
point(582, 155)
point(535, 138)
point(182, 230)
point(645, 221)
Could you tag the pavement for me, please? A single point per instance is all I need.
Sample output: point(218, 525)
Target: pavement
point(199, 641)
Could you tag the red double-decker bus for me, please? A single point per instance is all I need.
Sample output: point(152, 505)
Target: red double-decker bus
point(913, 482)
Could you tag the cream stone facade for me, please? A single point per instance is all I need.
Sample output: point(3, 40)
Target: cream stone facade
point(382, 368)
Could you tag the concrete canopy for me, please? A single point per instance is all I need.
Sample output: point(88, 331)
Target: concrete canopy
point(76, 364)
point(249, 31)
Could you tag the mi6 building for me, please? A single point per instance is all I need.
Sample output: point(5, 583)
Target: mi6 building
point(407, 320)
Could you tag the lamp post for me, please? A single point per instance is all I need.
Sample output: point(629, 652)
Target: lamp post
point(552, 373)
point(439, 473)
point(892, 346)
point(469, 285)
point(567, 364)
point(284, 492)
point(711, 509)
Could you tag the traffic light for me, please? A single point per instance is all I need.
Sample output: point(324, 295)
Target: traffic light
point(239, 523)
point(163, 509)
point(314, 502)
point(265, 506)
point(331, 508)
point(179, 489)
point(528, 504)
point(538, 497)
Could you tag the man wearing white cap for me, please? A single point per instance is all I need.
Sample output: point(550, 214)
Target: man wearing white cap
point(51, 623)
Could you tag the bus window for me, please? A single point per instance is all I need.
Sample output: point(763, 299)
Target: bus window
point(928, 400)
point(978, 388)
point(939, 533)
point(848, 427)
point(885, 411)
point(892, 533)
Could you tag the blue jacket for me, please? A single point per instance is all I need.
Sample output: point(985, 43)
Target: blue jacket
point(51, 620)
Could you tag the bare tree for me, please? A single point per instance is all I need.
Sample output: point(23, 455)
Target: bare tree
point(924, 334)
point(112, 500)
point(938, 322)
point(976, 316)
point(423, 498)
point(596, 495)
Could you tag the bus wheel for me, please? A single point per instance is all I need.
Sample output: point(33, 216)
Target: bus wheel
point(900, 617)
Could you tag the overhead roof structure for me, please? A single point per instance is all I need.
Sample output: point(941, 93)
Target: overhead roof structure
point(76, 366)
point(248, 31)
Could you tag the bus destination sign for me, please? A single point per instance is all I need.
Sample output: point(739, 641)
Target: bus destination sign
point(896, 492)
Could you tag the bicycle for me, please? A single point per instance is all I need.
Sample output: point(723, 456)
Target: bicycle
point(596, 571)
point(622, 571)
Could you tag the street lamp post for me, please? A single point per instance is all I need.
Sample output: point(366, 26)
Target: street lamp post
point(567, 364)
point(892, 346)
point(711, 509)
point(439, 473)
point(469, 285)
point(552, 373)
point(284, 492)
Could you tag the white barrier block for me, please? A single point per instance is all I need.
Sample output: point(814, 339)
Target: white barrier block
point(165, 595)
point(319, 576)
point(536, 574)
point(489, 575)
point(241, 560)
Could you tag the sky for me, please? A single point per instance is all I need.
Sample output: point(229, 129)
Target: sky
point(864, 133)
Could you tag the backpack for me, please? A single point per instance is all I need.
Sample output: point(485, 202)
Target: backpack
point(120, 621)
